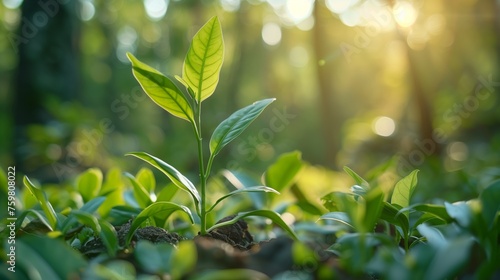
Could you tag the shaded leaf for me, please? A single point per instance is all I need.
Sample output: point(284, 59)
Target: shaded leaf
point(281, 173)
point(109, 237)
point(161, 207)
point(358, 179)
point(233, 126)
point(490, 199)
point(250, 189)
point(340, 217)
point(184, 259)
point(275, 217)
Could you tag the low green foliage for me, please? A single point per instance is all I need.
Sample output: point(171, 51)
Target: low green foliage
point(370, 230)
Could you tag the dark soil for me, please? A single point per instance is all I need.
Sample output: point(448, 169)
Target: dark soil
point(231, 247)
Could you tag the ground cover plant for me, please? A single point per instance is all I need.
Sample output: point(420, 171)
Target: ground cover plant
point(125, 226)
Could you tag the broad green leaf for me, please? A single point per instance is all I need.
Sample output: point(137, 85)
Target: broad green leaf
point(250, 189)
point(275, 217)
point(44, 203)
point(204, 60)
point(161, 89)
point(242, 180)
point(490, 199)
point(229, 274)
point(358, 179)
point(175, 176)
point(404, 190)
point(113, 189)
point(437, 211)
point(167, 193)
point(119, 215)
point(161, 207)
point(109, 237)
point(184, 259)
point(115, 270)
point(233, 126)
point(147, 179)
point(89, 183)
point(47, 258)
point(141, 195)
point(281, 173)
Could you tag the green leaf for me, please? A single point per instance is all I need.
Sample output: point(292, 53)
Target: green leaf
point(450, 259)
point(84, 218)
point(161, 89)
point(490, 199)
point(109, 237)
point(175, 176)
point(48, 258)
point(153, 258)
point(275, 217)
point(233, 126)
point(184, 259)
point(161, 207)
point(93, 205)
point(141, 195)
point(340, 217)
point(281, 173)
point(404, 190)
point(392, 215)
point(147, 179)
point(44, 203)
point(434, 237)
point(358, 179)
point(373, 208)
point(89, 183)
point(437, 211)
point(460, 212)
point(250, 189)
point(167, 193)
point(204, 60)
point(35, 213)
point(229, 274)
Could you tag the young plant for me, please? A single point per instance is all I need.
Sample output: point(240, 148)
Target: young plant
point(200, 76)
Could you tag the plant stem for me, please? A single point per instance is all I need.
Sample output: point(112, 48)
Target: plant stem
point(203, 177)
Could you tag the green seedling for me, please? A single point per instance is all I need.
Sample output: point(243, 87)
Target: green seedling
point(200, 76)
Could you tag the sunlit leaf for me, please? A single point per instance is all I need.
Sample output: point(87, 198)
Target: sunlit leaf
point(358, 179)
point(141, 195)
point(175, 176)
point(147, 179)
point(404, 190)
point(165, 209)
point(44, 203)
point(204, 60)
point(161, 89)
point(89, 183)
point(275, 217)
point(282, 172)
point(233, 126)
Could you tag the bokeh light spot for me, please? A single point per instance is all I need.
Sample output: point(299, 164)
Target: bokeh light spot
point(405, 14)
point(156, 9)
point(384, 126)
point(271, 33)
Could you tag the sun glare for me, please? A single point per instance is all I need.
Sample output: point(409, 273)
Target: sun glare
point(405, 14)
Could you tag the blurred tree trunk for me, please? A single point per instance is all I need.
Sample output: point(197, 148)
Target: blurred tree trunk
point(329, 116)
point(46, 44)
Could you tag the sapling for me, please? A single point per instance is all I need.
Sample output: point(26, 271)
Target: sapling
point(200, 76)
